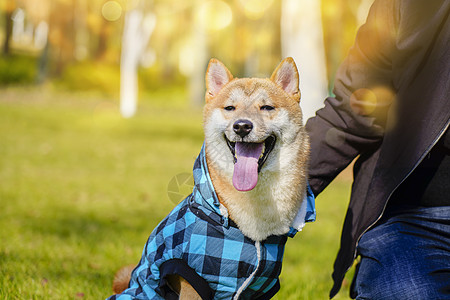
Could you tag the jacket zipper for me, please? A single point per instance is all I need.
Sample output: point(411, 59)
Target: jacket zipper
point(390, 195)
point(250, 278)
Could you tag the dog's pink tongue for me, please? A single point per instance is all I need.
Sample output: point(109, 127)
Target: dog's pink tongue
point(245, 176)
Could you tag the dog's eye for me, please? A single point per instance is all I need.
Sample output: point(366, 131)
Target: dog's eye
point(267, 107)
point(229, 108)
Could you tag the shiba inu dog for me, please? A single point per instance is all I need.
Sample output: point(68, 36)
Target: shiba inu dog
point(226, 240)
point(254, 134)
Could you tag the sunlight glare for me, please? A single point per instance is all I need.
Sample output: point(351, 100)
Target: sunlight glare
point(366, 101)
point(363, 101)
point(112, 11)
point(215, 15)
point(255, 9)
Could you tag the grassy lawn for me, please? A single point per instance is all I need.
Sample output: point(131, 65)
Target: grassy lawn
point(81, 189)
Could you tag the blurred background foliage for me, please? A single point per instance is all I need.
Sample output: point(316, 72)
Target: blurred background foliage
point(76, 44)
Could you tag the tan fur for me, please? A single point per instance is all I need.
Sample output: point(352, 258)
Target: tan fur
point(184, 290)
point(177, 283)
point(271, 206)
point(121, 279)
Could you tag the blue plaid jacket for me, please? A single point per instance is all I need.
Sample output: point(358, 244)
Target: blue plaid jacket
point(197, 241)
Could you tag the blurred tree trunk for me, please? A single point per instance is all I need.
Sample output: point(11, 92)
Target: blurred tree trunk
point(302, 39)
point(340, 20)
point(61, 34)
point(200, 58)
point(9, 9)
point(103, 38)
point(136, 33)
point(43, 65)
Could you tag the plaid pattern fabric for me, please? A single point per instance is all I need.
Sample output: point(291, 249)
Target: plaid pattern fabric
point(197, 233)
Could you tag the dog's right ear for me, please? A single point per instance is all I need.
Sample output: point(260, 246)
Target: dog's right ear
point(217, 75)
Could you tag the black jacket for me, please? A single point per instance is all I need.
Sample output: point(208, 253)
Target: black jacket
point(391, 106)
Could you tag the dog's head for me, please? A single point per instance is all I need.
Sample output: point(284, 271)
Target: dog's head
point(248, 121)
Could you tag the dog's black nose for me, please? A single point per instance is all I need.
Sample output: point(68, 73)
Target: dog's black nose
point(242, 127)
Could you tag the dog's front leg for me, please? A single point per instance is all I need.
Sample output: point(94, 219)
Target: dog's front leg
point(180, 286)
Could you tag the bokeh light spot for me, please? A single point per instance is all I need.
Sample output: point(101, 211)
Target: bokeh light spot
point(255, 9)
point(363, 101)
point(215, 15)
point(111, 11)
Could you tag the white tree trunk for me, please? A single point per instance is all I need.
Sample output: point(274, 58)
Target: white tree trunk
point(18, 31)
point(200, 59)
point(302, 39)
point(363, 11)
point(136, 33)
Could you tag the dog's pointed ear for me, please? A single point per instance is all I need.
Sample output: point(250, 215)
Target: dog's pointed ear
point(217, 75)
point(286, 76)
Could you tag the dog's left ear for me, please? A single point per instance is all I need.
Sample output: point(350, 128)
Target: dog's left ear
point(286, 76)
point(217, 75)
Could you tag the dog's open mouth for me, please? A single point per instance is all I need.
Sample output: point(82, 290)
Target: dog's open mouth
point(249, 158)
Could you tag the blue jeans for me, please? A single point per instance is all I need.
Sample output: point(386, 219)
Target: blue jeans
point(406, 256)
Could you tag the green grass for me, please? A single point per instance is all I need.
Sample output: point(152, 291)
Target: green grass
point(17, 69)
point(81, 189)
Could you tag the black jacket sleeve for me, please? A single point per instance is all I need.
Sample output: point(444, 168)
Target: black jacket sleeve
point(354, 120)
